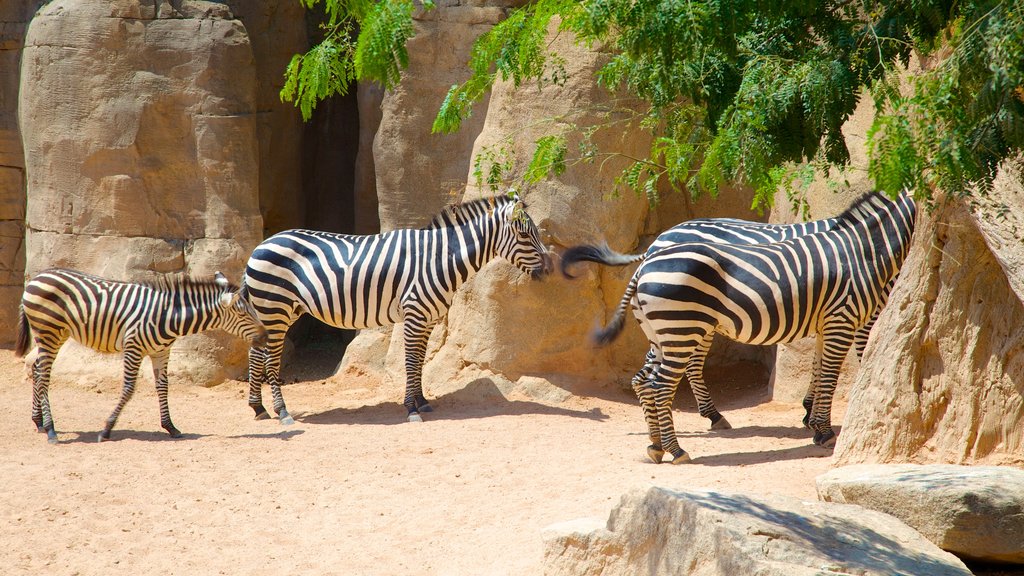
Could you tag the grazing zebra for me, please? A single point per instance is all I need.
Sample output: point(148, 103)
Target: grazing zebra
point(141, 319)
point(829, 284)
point(407, 275)
point(714, 230)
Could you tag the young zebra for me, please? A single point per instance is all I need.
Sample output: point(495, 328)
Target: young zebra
point(407, 275)
point(140, 319)
point(828, 284)
point(714, 230)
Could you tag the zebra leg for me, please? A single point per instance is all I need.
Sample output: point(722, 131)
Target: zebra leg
point(416, 333)
point(695, 374)
point(132, 361)
point(257, 373)
point(640, 388)
point(272, 367)
point(41, 370)
point(836, 344)
point(662, 390)
point(159, 360)
point(812, 390)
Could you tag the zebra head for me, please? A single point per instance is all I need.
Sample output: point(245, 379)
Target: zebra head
point(519, 241)
point(237, 315)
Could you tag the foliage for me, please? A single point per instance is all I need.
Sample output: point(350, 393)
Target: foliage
point(750, 91)
point(363, 40)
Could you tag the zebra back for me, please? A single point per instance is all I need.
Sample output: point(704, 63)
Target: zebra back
point(100, 312)
point(714, 230)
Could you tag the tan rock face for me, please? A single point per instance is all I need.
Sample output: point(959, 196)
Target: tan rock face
point(14, 19)
point(943, 376)
point(140, 143)
point(972, 511)
point(662, 531)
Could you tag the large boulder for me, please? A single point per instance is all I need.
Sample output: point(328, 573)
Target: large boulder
point(972, 511)
point(701, 532)
point(139, 129)
point(14, 19)
point(943, 375)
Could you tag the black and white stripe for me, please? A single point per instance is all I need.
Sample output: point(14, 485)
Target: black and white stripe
point(407, 275)
point(139, 319)
point(718, 231)
point(827, 284)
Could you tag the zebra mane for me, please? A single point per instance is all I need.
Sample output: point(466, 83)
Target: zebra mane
point(461, 212)
point(178, 282)
point(868, 202)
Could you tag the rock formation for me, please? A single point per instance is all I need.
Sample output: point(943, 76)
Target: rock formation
point(14, 19)
point(943, 376)
point(668, 532)
point(974, 512)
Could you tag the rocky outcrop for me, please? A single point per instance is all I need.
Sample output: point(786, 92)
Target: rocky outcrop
point(140, 143)
point(667, 532)
point(943, 376)
point(14, 18)
point(972, 511)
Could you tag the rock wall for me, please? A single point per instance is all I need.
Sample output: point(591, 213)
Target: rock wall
point(14, 19)
point(943, 376)
point(140, 139)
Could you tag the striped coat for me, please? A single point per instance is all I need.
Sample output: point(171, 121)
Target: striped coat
point(137, 318)
point(407, 275)
point(827, 284)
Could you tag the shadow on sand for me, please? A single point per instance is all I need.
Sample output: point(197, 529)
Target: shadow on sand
point(480, 398)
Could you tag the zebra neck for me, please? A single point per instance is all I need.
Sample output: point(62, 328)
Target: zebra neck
point(189, 313)
point(472, 245)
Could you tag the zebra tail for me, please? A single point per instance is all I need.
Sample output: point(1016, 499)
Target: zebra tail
point(24, 334)
point(600, 254)
point(608, 334)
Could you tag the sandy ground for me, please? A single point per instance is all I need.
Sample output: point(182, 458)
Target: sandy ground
point(351, 488)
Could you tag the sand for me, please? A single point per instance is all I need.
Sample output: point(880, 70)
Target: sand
point(352, 488)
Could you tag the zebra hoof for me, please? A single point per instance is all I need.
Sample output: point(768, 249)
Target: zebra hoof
point(262, 416)
point(721, 424)
point(415, 417)
point(39, 428)
point(682, 458)
point(286, 419)
point(425, 408)
point(51, 436)
point(174, 432)
point(655, 454)
point(103, 437)
point(825, 439)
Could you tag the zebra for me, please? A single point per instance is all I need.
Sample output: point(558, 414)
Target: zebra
point(405, 275)
point(137, 318)
point(828, 284)
point(715, 230)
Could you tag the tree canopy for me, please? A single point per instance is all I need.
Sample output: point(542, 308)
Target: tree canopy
point(738, 90)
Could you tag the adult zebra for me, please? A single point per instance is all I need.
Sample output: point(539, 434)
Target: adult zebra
point(406, 275)
point(139, 318)
point(828, 284)
point(714, 230)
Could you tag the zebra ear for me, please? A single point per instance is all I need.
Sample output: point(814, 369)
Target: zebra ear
point(221, 279)
point(228, 299)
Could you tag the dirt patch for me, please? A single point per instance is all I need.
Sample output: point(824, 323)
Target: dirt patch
point(352, 488)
